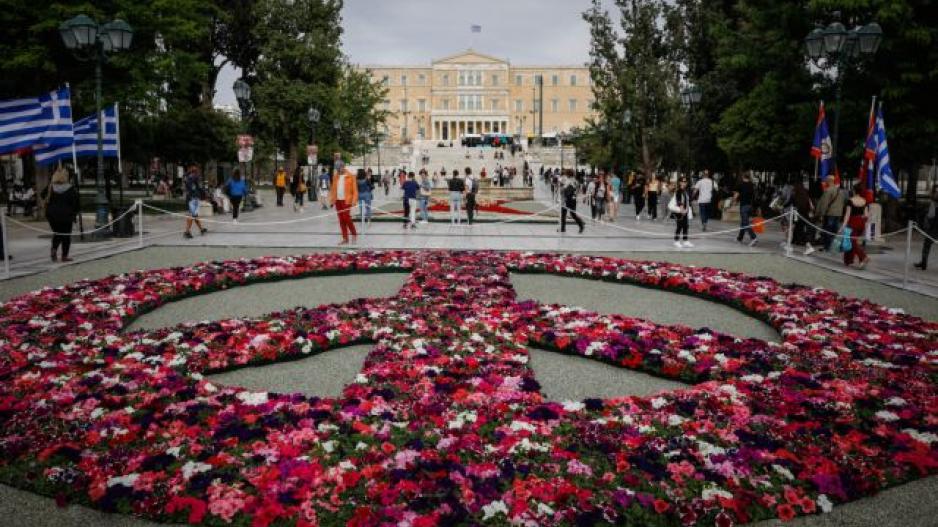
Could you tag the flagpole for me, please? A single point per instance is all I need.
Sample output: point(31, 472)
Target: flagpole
point(817, 159)
point(871, 130)
point(120, 166)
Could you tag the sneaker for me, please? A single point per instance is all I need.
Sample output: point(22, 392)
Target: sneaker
point(187, 235)
point(808, 249)
point(203, 231)
point(679, 245)
point(424, 222)
point(705, 227)
point(753, 242)
point(581, 228)
point(862, 264)
point(235, 222)
point(688, 244)
point(343, 242)
point(921, 265)
point(638, 218)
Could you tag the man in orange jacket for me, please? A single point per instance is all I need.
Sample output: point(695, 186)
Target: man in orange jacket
point(344, 194)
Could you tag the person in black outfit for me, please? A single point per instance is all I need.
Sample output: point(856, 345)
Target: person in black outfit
point(681, 211)
point(745, 196)
point(61, 209)
point(568, 193)
point(472, 186)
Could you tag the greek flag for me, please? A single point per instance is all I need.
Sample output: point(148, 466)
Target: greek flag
point(884, 176)
point(36, 121)
point(86, 139)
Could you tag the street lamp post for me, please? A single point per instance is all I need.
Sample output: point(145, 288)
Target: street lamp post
point(839, 47)
point(312, 115)
point(242, 91)
point(94, 42)
point(690, 98)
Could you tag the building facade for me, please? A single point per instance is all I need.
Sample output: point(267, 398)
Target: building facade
point(473, 93)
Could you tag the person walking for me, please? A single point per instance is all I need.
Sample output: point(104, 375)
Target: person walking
point(704, 190)
point(456, 189)
point(298, 189)
point(194, 194)
point(343, 193)
point(61, 210)
point(236, 188)
point(426, 191)
point(615, 189)
point(803, 205)
point(652, 189)
point(311, 184)
point(365, 195)
point(829, 211)
point(930, 226)
point(472, 187)
point(638, 194)
point(745, 195)
point(682, 212)
point(325, 187)
point(280, 185)
point(568, 193)
point(411, 189)
point(386, 182)
point(600, 192)
point(855, 214)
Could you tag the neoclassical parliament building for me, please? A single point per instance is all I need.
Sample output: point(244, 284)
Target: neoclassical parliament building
point(473, 93)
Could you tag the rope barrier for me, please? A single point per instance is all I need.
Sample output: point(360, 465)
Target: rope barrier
point(101, 228)
point(840, 233)
point(249, 223)
point(923, 233)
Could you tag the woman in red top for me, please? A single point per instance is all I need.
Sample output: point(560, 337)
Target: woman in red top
point(855, 215)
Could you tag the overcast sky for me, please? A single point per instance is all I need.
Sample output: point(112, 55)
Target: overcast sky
point(414, 32)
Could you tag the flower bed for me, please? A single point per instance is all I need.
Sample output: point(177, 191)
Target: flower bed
point(446, 424)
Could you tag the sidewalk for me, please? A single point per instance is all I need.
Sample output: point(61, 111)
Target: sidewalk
point(315, 228)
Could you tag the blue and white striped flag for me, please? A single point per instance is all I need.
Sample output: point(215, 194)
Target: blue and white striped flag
point(884, 175)
point(86, 139)
point(36, 121)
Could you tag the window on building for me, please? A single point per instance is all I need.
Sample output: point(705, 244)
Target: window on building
point(538, 79)
point(519, 105)
point(518, 80)
point(555, 80)
point(446, 104)
point(421, 105)
point(494, 104)
point(422, 80)
point(387, 104)
point(386, 80)
point(478, 77)
point(537, 106)
point(573, 80)
point(554, 103)
point(572, 103)
point(462, 78)
point(403, 80)
point(494, 80)
point(403, 105)
point(446, 79)
point(462, 102)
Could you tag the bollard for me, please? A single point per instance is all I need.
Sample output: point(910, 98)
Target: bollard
point(6, 245)
point(789, 236)
point(908, 254)
point(140, 223)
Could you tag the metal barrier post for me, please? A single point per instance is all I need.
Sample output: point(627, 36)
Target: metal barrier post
point(908, 254)
point(6, 245)
point(140, 222)
point(791, 231)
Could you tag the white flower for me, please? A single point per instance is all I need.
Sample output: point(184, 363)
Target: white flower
point(824, 503)
point(192, 468)
point(923, 437)
point(253, 398)
point(494, 508)
point(895, 401)
point(593, 348)
point(126, 480)
point(573, 406)
point(783, 471)
point(675, 420)
point(517, 426)
point(544, 510)
point(329, 446)
point(361, 378)
point(712, 492)
point(658, 402)
point(886, 415)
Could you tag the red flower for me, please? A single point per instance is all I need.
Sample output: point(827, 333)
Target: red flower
point(661, 506)
point(785, 512)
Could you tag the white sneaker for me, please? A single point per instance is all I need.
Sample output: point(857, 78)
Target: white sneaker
point(688, 244)
point(754, 242)
point(638, 218)
point(679, 245)
point(808, 249)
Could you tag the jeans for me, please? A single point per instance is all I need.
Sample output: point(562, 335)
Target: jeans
point(470, 207)
point(425, 208)
point(682, 227)
point(831, 224)
point(455, 202)
point(704, 213)
point(364, 206)
point(745, 223)
point(235, 206)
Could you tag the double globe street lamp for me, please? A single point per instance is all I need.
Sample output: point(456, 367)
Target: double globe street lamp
point(242, 91)
point(835, 47)
point(690, 98)
point(92, 42)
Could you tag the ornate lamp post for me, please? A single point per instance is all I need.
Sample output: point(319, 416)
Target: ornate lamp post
point(313, 116)
point(93, 42)
point(690, 98)
point(836, 48)
point(242, 91)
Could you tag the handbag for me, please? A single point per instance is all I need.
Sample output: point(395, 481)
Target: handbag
point(846, 245)
point(758, 224)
